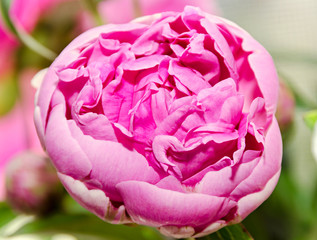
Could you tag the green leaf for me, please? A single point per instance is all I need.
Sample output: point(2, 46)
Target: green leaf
point(6, 214)
point(233, 232)
point(81, 227)
point(310, 118)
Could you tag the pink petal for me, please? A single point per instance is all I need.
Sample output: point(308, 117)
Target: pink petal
point(189, 78)
point(112, 163)
point(268, 168)
point(260, 62)
point(95, 200)
point(165, 207)
point(63, 149)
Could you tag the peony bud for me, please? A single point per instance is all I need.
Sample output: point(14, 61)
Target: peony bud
point(285, 107)
point(32, 185)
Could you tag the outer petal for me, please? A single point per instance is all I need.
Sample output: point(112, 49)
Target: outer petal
point(63, 149)
point(95, 200)
point(249, 203)
point(264, 176)
point(222, 182)
point(268, 166)
point(165, 207)
point(211, 228)
point(112, 163)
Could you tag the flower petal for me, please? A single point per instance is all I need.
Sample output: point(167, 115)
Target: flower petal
point(112, 162)
point(165, 207)
point(63, 148)
point(264, 177)
point(95, 200)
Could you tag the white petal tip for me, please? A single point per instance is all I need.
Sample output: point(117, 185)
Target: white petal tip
point(38, 78)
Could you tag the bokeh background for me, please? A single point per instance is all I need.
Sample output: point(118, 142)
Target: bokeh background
point(287, 28)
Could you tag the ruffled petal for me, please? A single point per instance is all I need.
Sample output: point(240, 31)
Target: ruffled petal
point(259, 61)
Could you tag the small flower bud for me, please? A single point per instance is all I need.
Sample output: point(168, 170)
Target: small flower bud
point(32, 185)
point(285, 107)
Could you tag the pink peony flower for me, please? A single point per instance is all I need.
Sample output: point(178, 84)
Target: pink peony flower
point(167, 121)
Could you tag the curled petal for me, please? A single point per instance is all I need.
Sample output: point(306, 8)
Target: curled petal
point(95, 200)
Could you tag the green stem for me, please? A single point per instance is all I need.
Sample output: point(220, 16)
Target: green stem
point(36, 46)
point(22, 35)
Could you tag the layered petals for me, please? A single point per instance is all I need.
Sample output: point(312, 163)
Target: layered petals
point(167, 121)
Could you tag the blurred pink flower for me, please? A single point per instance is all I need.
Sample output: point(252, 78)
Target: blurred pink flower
point(11, 140)
point(27, 12)
point(32, 185)
point(285, 107)
point(17, 132)
point(17, 129)
point(120, 11)
point(8, 45)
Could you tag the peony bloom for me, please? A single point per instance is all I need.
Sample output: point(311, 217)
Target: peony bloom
point(166, 121)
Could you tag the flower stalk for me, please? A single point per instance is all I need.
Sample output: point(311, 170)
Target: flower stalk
point(23, 36)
